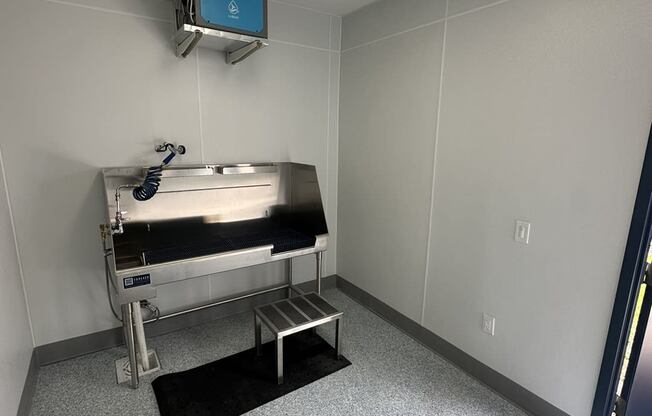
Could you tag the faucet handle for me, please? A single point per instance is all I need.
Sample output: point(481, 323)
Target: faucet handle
point(171, 147)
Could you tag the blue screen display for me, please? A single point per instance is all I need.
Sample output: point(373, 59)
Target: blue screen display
point(247, 15)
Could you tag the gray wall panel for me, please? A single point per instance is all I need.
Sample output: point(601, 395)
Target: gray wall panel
point(545, 112)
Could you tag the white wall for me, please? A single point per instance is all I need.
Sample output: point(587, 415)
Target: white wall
point(16, 341)
point(389, 90)
point(544, 116)
point(95, 83)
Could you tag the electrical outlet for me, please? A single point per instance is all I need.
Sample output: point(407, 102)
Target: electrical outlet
point(489, 324)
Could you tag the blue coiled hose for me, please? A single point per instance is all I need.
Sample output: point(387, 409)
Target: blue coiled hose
point(152, 181)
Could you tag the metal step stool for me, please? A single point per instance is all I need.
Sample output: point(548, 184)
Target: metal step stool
point(289, 316)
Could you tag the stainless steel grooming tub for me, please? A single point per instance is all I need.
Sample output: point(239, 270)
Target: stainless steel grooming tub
point(206, 219)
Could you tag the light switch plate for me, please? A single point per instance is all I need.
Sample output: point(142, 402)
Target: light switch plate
point(489, 324)
point(522, 232)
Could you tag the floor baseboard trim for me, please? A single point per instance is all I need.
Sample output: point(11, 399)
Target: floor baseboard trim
point(98, 341)
point(502, 385)
point(29, 389)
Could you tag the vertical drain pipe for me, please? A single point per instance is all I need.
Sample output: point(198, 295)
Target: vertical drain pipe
point(128, 326)
point(140, 335)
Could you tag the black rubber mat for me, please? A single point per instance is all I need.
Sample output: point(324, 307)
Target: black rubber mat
point(242, 382)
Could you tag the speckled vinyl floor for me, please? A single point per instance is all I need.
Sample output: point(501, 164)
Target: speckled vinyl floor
point(391, 374)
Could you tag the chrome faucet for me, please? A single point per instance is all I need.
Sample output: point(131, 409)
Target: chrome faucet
point(118, 227)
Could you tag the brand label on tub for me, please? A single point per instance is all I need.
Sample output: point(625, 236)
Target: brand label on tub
point(136, 281)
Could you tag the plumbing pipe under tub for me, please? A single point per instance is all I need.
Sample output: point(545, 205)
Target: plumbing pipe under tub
point(140, 336)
